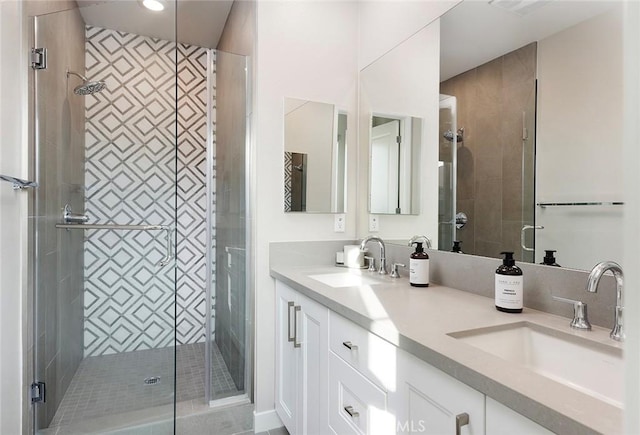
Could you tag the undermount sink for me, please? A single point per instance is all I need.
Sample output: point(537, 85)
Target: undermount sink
point(344, 279)
point(590, 367)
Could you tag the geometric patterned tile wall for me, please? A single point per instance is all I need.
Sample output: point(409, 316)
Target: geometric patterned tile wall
point(130, 176)
point(192, 212)
point(288, 170)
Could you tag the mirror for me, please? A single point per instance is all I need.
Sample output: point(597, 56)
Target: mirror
point(530, 130)
point(401, 86)
point(538, 122)
point(314, 157)
point(394, 151)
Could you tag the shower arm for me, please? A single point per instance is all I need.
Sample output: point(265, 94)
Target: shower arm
point(167, 229)
point(77, 75)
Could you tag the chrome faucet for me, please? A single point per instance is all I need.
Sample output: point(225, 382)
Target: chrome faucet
point(426, 239)
point(617, 333)
point(383, 260)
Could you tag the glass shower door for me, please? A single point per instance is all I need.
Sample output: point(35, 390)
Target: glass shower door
point(447, 170)
point(102, 219)
point(229, 349)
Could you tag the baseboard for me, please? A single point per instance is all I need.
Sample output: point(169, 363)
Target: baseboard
point(264, 421)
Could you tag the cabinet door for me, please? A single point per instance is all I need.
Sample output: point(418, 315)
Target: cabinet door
point(504, 421)
point(287, 386)
point(429, 400)
point(312, 333)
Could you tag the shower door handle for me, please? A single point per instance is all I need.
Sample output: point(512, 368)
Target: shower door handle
point(169, 254)
point(522, 235)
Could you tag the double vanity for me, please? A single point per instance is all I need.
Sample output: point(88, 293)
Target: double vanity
point(360, 352)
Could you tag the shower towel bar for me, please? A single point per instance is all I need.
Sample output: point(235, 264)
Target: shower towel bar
point(17, 183)
point(166, 260)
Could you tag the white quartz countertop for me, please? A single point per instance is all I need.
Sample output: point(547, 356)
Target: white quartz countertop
point(418, 320)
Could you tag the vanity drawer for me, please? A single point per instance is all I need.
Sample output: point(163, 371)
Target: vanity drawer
point(368, 353)
point(356, 406)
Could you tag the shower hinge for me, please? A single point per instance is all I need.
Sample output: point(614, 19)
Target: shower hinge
point(38, 390)
point(39, 58)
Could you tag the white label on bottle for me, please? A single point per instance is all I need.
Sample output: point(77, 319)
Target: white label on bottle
point(419, 271)
point(509, 291)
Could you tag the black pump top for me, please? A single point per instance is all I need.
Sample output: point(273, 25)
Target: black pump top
point(549, 258)
point(456, 246)
point(419, 247)
point(508, 258)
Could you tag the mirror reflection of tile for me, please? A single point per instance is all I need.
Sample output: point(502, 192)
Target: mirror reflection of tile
point(295, 181)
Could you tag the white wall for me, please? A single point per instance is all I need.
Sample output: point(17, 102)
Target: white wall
point(385, 24)
point(305, 50)
point(13, 215)
point(396, 31)
point(413, 91)
point(580, 72)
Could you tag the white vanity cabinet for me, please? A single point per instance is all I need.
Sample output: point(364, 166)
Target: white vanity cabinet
point(431, 402)
point(391, 391)
point(504, 421)
point(335, 377)
point(301, 362)
point(362, 375)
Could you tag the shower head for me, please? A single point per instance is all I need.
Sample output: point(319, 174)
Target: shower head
point(87, 87)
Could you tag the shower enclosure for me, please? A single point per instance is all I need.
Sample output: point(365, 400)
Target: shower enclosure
point(138, 225)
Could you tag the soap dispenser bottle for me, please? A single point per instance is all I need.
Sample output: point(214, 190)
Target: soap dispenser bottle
point(509, 283)
point(419, 267)
point(456, 247)
point(549, 259)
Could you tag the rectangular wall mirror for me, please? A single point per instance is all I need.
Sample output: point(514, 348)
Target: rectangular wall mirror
point(537, 130)
point(314, 157)
point(529, 152)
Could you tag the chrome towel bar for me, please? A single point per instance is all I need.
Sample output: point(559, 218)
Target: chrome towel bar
point(574, 204)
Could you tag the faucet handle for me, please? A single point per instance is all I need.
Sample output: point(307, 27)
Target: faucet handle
point(394, 270)
point(580, 318)
point(372, 263)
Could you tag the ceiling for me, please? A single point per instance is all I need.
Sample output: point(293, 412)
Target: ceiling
point(475, 32)
point(199, 22)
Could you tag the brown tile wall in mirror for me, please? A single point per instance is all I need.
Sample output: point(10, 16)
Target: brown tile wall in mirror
point(495, 166)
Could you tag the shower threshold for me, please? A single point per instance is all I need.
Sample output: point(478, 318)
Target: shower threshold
point(239, 399)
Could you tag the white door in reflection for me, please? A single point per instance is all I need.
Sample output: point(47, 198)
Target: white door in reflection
point(385, 152)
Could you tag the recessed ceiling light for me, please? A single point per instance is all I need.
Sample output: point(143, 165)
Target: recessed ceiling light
point(153, 5)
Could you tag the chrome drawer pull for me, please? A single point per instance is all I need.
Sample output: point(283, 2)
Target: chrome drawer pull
point(351, 411)
point(349, 345)
point(289, 306)
point(461, 420)
point(295, 325)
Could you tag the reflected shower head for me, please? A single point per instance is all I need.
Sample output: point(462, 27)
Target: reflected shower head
point(448, 135)
point(87, 87)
